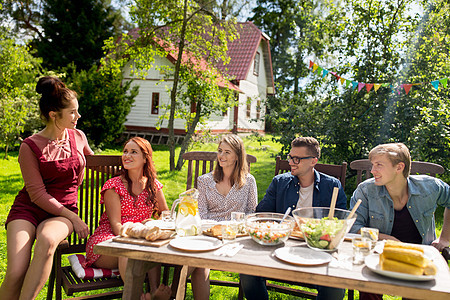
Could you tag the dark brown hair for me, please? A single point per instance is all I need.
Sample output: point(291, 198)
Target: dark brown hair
point(310, 143)
point(149, 172)
point(55, 95)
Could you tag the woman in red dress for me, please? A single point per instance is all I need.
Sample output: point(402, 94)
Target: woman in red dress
point(45, 210)
point(133, 196)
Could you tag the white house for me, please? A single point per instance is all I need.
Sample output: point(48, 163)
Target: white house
point(251, 68)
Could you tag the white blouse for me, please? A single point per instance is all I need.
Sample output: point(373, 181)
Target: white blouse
point(213, 205)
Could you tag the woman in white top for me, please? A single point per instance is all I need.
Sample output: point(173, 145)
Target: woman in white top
point(230, 187)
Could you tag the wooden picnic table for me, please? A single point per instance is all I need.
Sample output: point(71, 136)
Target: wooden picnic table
point(255, 259)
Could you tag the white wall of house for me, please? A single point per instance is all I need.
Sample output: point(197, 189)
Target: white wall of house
point(254, 88)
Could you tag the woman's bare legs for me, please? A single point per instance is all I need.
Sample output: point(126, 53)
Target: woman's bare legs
point(20, 239)
point(200, 283)
point(49, 234)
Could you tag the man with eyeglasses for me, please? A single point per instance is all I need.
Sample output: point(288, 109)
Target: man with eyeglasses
point(302, 187)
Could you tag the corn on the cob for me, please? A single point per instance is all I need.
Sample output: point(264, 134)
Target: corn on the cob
point(397, 244)
point(398, 266)
point(408, 256)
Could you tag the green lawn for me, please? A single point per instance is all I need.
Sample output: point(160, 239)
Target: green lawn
point(174, 183)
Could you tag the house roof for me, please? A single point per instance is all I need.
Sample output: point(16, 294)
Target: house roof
point(242, 52)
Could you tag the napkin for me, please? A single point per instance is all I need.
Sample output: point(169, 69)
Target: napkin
point(229, 250)
point(342, 261)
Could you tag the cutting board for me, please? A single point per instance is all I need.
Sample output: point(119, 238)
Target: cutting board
point(142, 242)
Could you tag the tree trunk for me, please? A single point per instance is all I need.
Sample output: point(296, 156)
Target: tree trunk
point(173, 93)
point(188, 136)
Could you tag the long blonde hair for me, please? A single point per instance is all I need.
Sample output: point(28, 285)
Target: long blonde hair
point(241, 168)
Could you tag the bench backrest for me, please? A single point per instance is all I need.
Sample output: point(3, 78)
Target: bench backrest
point(202, 162)
point(338, 171)
point(363, 167)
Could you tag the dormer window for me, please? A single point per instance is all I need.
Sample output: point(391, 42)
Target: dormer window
point(256, 64)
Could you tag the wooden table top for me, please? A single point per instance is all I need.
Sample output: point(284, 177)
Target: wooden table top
point(255, 259)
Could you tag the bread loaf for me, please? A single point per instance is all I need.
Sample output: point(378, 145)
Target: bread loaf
point(430, 268)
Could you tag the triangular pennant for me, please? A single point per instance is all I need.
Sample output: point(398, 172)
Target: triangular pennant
point(311, 63)
point(360, 86)
point(444, 82)
point(435, 84)
point(385, 84)
point(338, 77)
point(369, 86)
point(324, 73)
point(319, 70)
point(334, 73)
point(354, 84)
point(407, 87)
point(347, 82)
point(315, 66)
point(376, 86)
point(342, 79)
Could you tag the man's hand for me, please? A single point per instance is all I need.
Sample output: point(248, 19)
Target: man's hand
point(440, 244)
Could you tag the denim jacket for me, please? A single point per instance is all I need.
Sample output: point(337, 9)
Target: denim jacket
point(377, 208)
point(284, 188)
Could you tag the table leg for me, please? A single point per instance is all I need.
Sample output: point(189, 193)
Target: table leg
point(134, 278)
point(182, 283)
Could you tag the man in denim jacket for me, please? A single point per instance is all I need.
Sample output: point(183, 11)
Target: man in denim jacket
point(302, 187)
point(400, 205)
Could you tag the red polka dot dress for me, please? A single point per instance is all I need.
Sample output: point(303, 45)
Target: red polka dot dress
point(130, 212)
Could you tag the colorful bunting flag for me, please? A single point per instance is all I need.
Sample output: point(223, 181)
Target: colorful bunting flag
point(360, 86)
point(399, 88)
point(376, 86)
point(407, 87)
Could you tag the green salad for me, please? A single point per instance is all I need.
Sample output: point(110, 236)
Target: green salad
point(320, 233)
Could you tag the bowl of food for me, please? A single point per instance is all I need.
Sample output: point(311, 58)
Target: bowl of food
point(322, 232)
point(267, 228)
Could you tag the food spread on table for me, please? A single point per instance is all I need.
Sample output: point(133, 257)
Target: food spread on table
point(405, 258)
point(321, 232)
point(216, 231)
point(269, 232)
point(141, 231)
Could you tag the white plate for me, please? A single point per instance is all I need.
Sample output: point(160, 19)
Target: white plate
point(302, 256)
point(372, 262)
point(196, 243)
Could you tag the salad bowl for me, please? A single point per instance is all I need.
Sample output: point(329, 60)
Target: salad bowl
point(267, 228)
point(320, 231)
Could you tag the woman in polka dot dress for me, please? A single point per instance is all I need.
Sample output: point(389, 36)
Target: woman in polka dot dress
point(133, 196)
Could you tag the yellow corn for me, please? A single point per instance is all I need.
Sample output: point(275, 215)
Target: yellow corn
point(398, 266)
point(396, 244)
point(408, 256)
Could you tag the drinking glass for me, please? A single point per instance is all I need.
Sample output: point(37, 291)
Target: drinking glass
point(239, 219)
point(370, 233)
point(229, 231)
point(166, 216)
point(361, 248)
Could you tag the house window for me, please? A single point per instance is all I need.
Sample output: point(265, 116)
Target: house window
point(256, 64)
point(249, 108)
point(258, 109)
point(155, 103)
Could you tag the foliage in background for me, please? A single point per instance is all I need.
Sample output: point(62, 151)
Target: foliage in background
point(192, 33)
point(18, 101)
point(74, 31)
point(380, 42)
point(104, 103)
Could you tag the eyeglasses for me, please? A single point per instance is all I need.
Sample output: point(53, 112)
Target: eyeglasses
point(297, 159)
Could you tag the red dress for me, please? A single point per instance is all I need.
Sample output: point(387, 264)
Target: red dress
point(60, 178)
point(130, 212)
